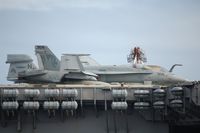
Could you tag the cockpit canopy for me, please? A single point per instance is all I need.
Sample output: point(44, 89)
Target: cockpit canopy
point(157, 68)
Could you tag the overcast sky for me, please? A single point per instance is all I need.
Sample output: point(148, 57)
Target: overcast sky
point(168, 30)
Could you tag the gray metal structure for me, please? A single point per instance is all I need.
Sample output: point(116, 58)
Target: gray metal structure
point(50, 70)
point(73, 67)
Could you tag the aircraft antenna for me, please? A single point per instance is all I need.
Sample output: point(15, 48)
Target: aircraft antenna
point(137, 56)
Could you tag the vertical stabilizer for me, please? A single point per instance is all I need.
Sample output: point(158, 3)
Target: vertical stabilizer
point(46, 59)
point(19, 63)
point(73, 68)
point(70, 62)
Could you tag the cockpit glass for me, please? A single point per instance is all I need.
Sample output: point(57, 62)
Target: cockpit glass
point(163, 69)
point(158, 69)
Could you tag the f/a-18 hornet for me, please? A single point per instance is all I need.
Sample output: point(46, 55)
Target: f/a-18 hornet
point(79, 67)
point(50, 70)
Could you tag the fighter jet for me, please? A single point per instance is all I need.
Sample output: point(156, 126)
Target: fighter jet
point(135, 72)
point(83, 67)
point(51, 69)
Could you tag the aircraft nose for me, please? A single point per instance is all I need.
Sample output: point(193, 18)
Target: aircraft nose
point(177, 79)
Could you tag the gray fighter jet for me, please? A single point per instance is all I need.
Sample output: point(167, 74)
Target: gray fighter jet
point(137, 72)
point(73, 67)
point(51, 70)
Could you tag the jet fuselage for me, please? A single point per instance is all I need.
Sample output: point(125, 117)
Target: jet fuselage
point(129, 74)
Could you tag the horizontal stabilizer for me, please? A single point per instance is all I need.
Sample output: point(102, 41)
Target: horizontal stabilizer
point(16, 58)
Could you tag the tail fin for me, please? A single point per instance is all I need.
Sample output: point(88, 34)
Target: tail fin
point(71, 62)
point(73, 68)
point(19, 63)
point(46, 59)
